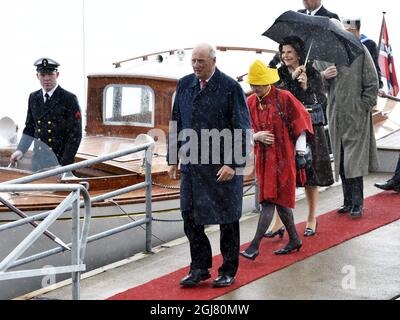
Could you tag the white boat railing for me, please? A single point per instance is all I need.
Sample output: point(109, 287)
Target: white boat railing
point(79, 239)
point(148, 147)
point(73, 201)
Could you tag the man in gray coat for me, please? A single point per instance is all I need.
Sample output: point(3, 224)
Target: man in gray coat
point(352, 93)
point(208, 101)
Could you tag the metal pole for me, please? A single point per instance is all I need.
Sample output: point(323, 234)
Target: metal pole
point(35, 234)
point(33, 223)
point(148, 158)
point(78, 165)
point(75, 258)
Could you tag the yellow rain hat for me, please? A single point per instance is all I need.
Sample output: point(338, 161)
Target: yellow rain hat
point(261, 75)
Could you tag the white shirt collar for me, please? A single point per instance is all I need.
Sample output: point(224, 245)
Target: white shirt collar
point(315, 11)
point(50, 93)
point(209, 77)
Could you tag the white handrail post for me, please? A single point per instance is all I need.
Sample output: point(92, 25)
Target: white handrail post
point(75, 256)
point(149, 216)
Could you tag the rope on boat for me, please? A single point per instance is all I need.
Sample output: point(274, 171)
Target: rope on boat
point(129, 216)
point(153, 219)
point(165, 186)
point(166, 220)
point(249, 188)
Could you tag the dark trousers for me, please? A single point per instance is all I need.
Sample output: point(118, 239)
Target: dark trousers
point(353, 189)
point(396, 177)
point(200, 248)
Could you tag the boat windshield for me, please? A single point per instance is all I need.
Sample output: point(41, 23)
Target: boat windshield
point(131, 105)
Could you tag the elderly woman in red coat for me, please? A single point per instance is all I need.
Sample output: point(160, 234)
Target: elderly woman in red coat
point(281, 127)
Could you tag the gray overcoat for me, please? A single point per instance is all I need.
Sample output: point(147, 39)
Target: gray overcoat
point(351, 96)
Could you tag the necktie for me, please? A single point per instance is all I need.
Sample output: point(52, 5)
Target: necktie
point(309, 13)
point(47, 96)
point(203, 83)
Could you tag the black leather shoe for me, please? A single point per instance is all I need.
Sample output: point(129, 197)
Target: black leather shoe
point(356, 212)
point(271, 234)
point(345, 209)
point(250, 253)
point(194, 277)
point(388, 185)
point(289, 248)
point(223, 281)
point(310, 232)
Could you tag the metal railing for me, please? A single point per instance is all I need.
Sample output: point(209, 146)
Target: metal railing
point(79, 240)
point(18, 185)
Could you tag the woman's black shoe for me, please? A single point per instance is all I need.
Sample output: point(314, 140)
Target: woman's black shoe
point(289, 248)
point(310, 232)
point(271, 234)
point(250, 253)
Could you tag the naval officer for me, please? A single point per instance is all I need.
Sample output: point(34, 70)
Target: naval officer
point(53, 121)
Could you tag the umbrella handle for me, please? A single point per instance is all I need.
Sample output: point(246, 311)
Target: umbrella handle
point(309, 50)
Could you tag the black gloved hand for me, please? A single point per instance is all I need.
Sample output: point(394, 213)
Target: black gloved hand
point(300, 161)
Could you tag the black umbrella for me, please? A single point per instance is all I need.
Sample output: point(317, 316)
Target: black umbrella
point(329, 42)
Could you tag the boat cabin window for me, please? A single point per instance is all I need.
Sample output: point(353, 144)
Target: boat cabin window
point(131, 105)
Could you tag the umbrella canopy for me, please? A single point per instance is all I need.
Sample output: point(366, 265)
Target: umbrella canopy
point(329, 42)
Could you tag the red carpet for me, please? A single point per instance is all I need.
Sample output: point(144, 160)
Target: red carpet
point(333, 229)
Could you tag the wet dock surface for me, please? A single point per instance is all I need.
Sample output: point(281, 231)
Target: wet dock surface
point(364, 267)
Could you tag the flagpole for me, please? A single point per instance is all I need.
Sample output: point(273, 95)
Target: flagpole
point(380, 35)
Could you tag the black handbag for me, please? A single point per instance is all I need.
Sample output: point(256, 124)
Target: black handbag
point(316, 112)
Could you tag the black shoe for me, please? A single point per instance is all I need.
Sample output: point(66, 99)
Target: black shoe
point(388, 185)
point(250, 253)
point(271, 234)
point(345, 208)
point(356, 212)
point(194, 277)
point(289, 248)
point(223, 281)
point(310, 232)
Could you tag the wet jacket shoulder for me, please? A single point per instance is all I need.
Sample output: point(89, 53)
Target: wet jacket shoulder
point(323, 13)
point(373, 50)
point(220, 105)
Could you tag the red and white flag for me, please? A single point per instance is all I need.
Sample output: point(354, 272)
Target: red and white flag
point(386, 61)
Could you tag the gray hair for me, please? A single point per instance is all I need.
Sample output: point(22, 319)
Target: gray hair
point(212, 51)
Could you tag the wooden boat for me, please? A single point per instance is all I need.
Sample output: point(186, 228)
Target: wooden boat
point(134, 98)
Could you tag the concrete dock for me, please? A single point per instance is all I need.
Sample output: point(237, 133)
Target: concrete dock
point(373, 259)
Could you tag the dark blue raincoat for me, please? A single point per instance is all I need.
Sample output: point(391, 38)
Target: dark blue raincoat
point(220, 105)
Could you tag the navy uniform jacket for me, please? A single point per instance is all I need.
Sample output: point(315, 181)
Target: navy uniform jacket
point(220, 105)
point(55, 127)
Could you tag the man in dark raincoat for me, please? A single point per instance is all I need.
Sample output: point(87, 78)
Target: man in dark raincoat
point(211, 188)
